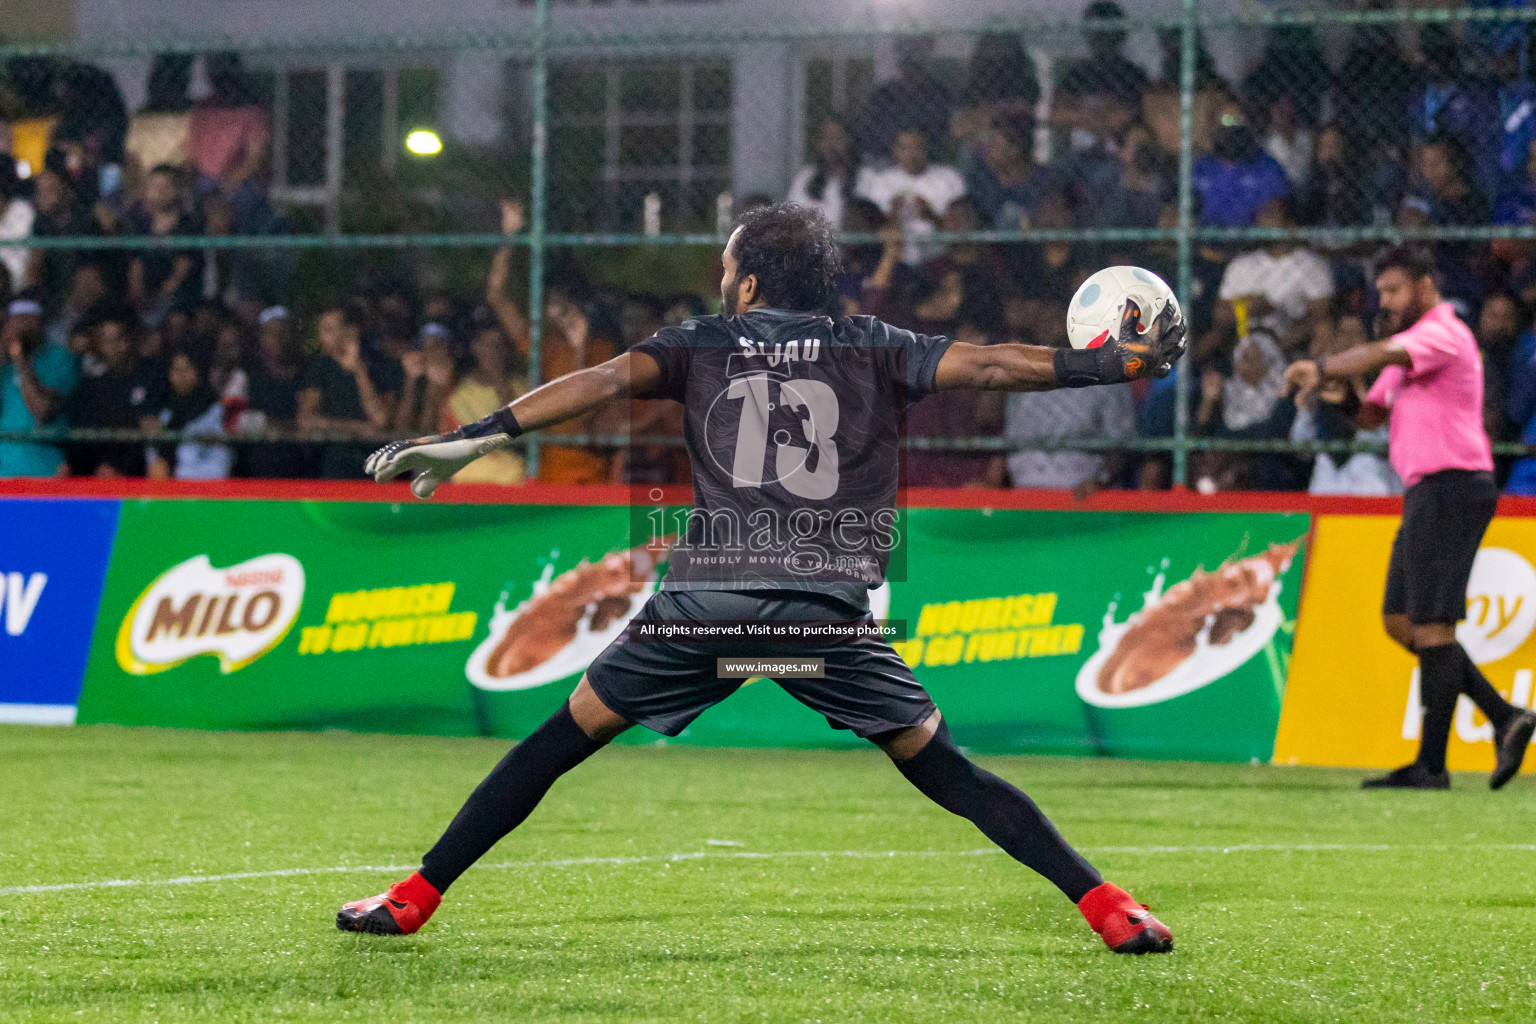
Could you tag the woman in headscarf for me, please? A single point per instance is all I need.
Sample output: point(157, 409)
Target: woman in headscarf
point(1251, 407)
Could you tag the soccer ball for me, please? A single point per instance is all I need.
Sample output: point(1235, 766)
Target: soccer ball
point(1094, 316)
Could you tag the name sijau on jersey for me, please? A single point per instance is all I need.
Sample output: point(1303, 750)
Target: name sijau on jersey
point(782, 351)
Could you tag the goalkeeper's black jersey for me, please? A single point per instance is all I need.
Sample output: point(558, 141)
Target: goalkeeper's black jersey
point(792, 422)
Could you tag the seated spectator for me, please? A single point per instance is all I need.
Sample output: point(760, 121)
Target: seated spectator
point(1237, 177)
point(157, 134)
point(16, 217)
point(1170, 49)
point(959, 413)
point(124, 391)
point(1329, 413)
point(346, 393)
point(273, 380)
point(641, 317)
point(1289, 140)
point(1517, 108)
point(1284, 289)
point(1001, 84)
point(1067, 415)
point(1099, 95)
point(429, 370)
point(1517, 203)
point(91, 130)
point(1006, 184)
point(828, 183)
point(1448, 198)
point(1337, 191)
point(1499, 324)
point(194, 408)
point(49, 271)
point(160, 280)
point(1248, 405)
point(1452, 102)
point(915, 99)
point(1142, 189)
point(1520, 405)
point(491, 383)
point(913, 190)
point(87, 290)
point(568, 344)
point(36, 381)
point(872, 272)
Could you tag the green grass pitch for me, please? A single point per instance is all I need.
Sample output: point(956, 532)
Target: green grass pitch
point(1293, 896)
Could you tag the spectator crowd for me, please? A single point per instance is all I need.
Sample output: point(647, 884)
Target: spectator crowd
point(203, 341)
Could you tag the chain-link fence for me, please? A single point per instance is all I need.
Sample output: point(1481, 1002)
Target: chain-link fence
point(260, 257)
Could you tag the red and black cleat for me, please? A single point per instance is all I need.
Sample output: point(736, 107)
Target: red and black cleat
point(401, 911)
point(1125, 925)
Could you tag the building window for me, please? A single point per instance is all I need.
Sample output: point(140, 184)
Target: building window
point(621, 130)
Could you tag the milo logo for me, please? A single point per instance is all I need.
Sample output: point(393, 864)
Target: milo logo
point(239, 613)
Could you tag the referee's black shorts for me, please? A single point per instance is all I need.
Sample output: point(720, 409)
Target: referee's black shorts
point(666, 684)
point(1444, 518)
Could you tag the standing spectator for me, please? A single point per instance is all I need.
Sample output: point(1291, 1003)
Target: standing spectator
point(229, 133)
point(1001, 84)
point(194, 408)
point(915, 99)
point(490, 384)
point(91, 130)
point(828, 183)
point(345, 393)
point(1006, 184)
point(161, 280)
point(36, 380)
point(913, 190)
point(1061, 416)
point(569, 344)
point(1292, 68)
point(16, 217)
point(1098, 95)
point(1170, 49)
point(272, 400)
point(119, 397)
point(1284, 289)
point(1517, 109)
point(1237, 177)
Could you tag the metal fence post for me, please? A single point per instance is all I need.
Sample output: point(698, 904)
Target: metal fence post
point(1186, 247)
point(536, 205)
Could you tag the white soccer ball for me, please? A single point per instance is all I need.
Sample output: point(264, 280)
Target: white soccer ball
point(1094, 316)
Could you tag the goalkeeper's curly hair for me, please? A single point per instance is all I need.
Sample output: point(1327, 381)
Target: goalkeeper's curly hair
point(794, 254)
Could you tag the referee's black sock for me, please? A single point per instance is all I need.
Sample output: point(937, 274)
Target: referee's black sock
point(1003, 813)
point(507, 796)
point(1440, 684)
point(1489, 701)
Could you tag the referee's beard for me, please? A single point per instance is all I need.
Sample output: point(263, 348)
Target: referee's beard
point(1399, 322)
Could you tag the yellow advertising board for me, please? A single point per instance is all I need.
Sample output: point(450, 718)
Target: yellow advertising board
point(1352, 699)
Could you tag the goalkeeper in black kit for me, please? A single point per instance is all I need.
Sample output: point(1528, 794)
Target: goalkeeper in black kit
point(792, 423)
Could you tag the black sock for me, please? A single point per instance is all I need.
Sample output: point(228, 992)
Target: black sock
point(1002, 812)
point(1440, 682)
point(1475, 685)
point(507, 796)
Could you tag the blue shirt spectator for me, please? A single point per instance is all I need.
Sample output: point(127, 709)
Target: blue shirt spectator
point(34, 381)
point(1233, 191)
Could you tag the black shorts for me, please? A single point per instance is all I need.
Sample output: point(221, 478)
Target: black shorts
point(666, 684)
point(1444, 518)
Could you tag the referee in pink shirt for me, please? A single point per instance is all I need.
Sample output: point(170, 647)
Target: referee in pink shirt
point(1431, 388)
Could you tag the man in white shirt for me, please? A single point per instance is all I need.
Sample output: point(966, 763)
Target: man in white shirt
point(913, 191)
point(1285, 288)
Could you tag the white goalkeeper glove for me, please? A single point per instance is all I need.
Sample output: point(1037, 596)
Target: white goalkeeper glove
point(435, 459)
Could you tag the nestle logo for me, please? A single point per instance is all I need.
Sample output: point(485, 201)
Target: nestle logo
point(267, 577)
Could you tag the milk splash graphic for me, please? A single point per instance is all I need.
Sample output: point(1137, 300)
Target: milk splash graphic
point(1188, 636)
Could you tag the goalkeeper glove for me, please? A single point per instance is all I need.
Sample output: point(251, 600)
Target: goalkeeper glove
point(438, 457)
point(1139, 351)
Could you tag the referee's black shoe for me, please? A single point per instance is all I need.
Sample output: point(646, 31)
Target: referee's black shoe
point(1410, 776)
point(1511, 748)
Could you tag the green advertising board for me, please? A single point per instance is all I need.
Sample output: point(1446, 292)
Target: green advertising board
point(1046, 631)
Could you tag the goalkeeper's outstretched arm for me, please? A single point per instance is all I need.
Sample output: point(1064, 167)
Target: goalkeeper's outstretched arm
point(1139, 351)
point(438, 457)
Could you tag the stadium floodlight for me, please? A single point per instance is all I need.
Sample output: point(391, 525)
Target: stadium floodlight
point(424, 142)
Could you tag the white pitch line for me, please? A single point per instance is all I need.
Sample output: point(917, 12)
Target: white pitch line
point(668, 858)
